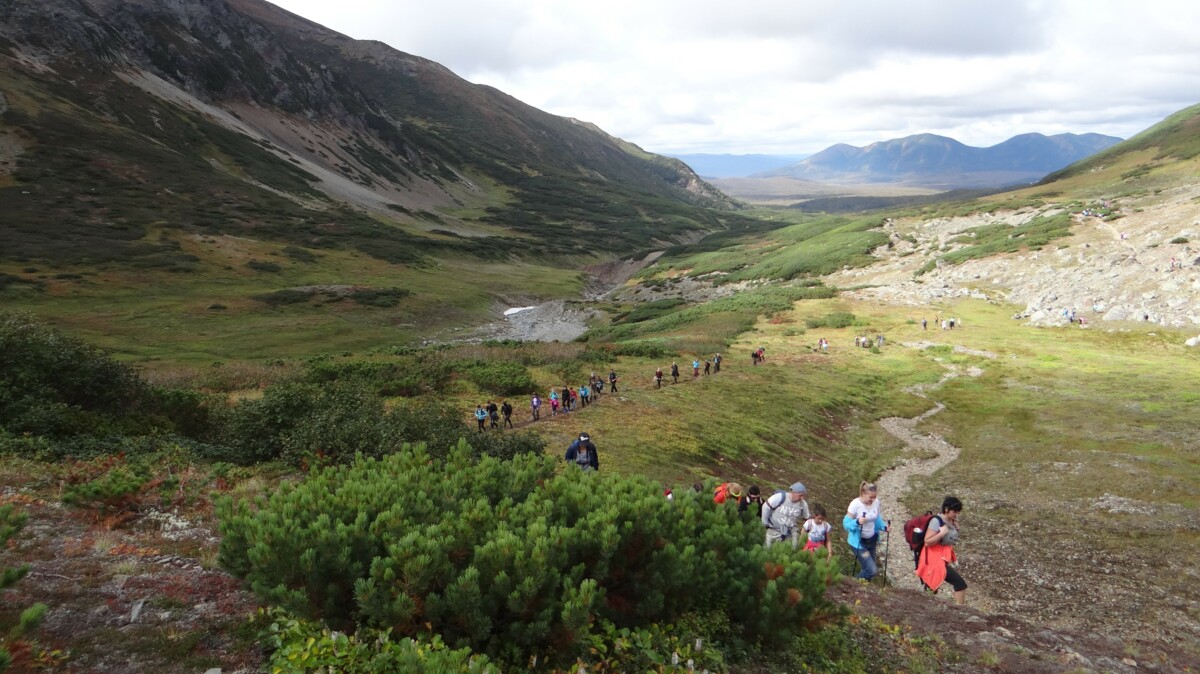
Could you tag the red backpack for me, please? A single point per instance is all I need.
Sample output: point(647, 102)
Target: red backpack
point(721, 493)
point(914, 529)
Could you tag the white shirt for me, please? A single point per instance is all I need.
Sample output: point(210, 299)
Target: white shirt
point(859, 509)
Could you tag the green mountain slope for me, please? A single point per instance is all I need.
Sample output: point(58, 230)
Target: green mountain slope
point(166, 166)
point(1175, 138)
point(237, 117)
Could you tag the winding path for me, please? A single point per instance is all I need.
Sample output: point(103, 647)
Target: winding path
point(893, 483)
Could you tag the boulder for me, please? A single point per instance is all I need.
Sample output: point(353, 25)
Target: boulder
point(1194, 341)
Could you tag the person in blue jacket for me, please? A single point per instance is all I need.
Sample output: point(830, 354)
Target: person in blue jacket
point(582, 453)
point(863, 523)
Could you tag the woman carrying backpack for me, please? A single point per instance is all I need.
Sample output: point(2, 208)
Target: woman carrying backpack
point(937, 555)
point(862, 523)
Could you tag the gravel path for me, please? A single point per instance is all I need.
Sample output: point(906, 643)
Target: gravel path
point(894, 482)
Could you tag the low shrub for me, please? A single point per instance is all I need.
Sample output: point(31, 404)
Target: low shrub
point(833, 321)
point(1179, 239)
point(380, 297)
point(498, 377)
point(263, 265)
point(511, 560)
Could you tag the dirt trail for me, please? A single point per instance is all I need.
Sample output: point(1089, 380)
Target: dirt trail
point(893, 483)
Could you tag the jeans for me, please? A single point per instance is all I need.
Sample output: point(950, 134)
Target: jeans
point(866, 557)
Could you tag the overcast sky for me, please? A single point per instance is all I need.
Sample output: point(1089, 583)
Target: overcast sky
point(795, 76)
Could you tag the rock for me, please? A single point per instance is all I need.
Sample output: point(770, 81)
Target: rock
point(1006, 633)
point(137, 610)
point(1192, 342)
point(214, 670)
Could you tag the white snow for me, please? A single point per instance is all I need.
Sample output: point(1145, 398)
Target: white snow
point(516, 310)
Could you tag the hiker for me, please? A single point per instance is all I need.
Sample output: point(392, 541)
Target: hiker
point(574, 398)
point(481, 417)
point(716, 363)
point(952, 323)
point(564, 399)
point(753, 498)
point(727, 491)
point(863, 524)
point(493, 415)
point(582, 453)
point(707, 366)
point(658, 378)
point(584, 394)
point(506, 411)
point(762, 354)
point(924, 324)
point(697, 487)
point(818, 532)
point(535, 406)
point(553, 403)
point(695, 368)
point(612, 380)
point(857, 341)
point(675, 372)
point(937, 555)
point(783, 513)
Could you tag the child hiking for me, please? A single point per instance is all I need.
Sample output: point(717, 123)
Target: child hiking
point(818, 532)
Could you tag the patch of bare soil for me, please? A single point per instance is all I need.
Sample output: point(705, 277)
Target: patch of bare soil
point(990, 642)
point(143, 598)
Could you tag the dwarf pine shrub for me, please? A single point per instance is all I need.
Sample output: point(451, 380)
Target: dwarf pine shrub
point(508, 559)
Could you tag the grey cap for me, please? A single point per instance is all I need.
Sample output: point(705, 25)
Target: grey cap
point(798, 487)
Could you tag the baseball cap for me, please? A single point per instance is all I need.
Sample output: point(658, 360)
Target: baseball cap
point(584, 436)
point(798, 487)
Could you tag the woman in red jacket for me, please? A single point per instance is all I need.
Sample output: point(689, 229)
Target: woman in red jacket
point(937, 555)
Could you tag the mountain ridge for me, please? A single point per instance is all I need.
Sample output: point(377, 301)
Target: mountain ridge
point(939, 161)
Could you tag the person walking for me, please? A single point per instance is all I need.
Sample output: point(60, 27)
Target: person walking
point(862, 523)
point(707, 366)
point(783, 513)
point(506, 411)
point(695, 368)
point(584, 394)
point(480, 416)
point(936, 565)
point(716, 363)
point(535, 406)
point(658, 375)
point(675, 372)
point(493, 415)
point(924, 324)
point(612, 381)
point(818, 532)
point(582, 454)
point(752, 498)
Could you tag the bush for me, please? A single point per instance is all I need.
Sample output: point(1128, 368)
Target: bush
point(509, 559)
point(1179, 239)
point(833, 321)
point(11, 522)
point(380, 297)
point(55, 385)
point(500, 378)
point(262, 265)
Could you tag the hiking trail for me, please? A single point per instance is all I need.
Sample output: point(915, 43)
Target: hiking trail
point(894, 481)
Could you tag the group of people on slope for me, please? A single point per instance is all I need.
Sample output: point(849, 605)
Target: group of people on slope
point(490, 414)
point(786, 516)
point(566, 399)
point(711, 366)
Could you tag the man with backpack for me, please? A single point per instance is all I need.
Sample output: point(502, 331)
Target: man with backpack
point(582, 454)
point(493, 415)
point(612, 381)
point(506, 411)
point(675, 372)
point(783, 513)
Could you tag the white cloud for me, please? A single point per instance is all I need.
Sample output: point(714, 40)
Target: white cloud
point(793, 77)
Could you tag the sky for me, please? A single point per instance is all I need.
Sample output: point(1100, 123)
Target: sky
point(795, 76)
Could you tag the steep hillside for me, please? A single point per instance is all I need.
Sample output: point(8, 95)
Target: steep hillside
point(937, 161)
point(221, 178)
point(233, 116)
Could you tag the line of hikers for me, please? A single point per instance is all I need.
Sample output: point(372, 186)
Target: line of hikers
point(711, 366)
point(786, 516)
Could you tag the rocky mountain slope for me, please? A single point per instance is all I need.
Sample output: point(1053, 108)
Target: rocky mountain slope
point(118, 117)
point(937, 161)
point(1128, 248)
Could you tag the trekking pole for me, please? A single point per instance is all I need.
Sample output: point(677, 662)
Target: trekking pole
point(887, 551)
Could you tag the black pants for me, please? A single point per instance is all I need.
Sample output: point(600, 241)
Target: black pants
point(508, 421)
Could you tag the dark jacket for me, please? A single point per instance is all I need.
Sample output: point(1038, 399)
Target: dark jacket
point(573, 453)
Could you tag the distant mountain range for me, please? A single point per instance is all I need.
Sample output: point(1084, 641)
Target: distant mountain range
point(928, 160)
point(735, 165)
